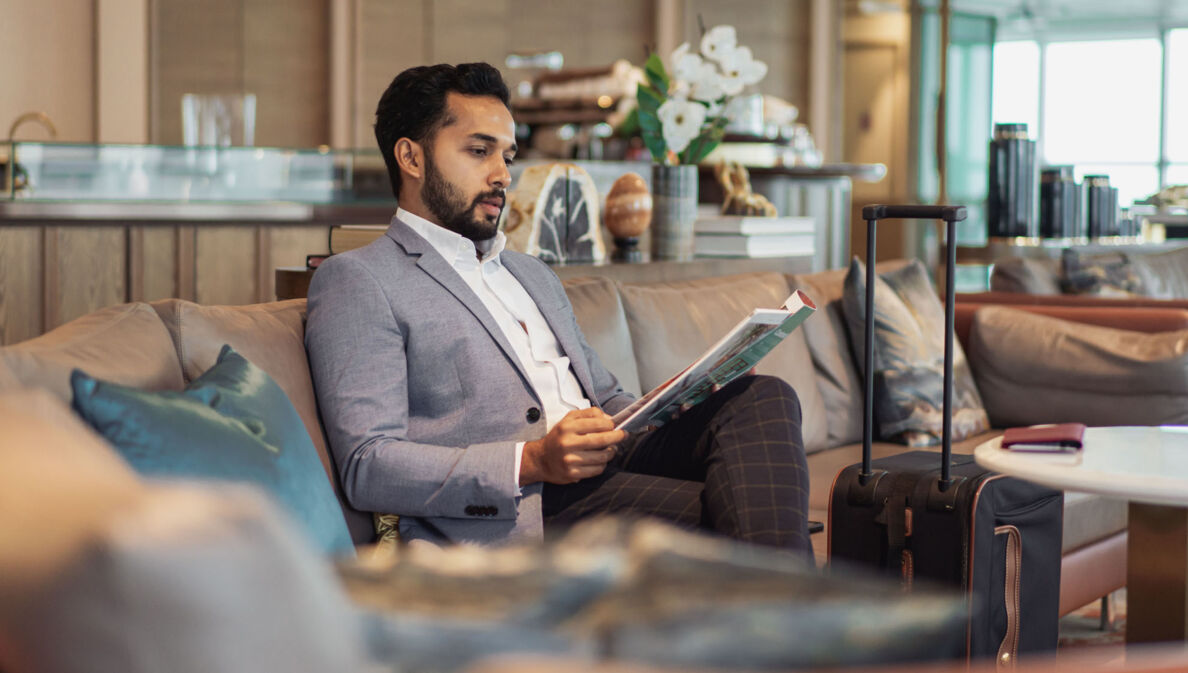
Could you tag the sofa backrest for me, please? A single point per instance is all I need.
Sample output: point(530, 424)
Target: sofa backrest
point(671, 324)
point(599, 311)
point(125, 344)
point(271, 336)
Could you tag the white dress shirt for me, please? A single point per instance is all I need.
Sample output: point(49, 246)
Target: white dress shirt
point(515, 312)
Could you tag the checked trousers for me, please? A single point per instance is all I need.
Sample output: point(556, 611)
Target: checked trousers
point(733, 465)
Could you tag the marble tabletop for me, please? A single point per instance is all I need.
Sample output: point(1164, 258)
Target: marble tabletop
point(1140, 464)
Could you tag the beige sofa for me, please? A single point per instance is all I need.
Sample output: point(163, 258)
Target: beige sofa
point(643, 333)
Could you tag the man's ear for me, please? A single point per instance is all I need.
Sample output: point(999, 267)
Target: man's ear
point(410, 156)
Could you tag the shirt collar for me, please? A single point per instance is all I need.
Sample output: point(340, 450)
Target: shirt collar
point(455, 248)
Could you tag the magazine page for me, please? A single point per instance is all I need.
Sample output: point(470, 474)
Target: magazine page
point(734, 354)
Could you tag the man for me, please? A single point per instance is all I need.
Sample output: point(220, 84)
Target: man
point(457, 390)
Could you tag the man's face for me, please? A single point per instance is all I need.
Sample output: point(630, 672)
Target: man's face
point(466, 166)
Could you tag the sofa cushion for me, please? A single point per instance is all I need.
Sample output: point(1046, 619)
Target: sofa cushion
point(1164, 274)
point(600, 316)
point(829, 343)
point(271, 336)
point(1072, 372)
point(1110, 275)
point(181, 579)
point(1030, 276)
point(909, 355)
point(233, 423)
point(1089, 518)
point(672, 324)
point(126, 344)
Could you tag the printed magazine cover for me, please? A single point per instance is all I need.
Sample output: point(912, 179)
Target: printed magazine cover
point(733, 355)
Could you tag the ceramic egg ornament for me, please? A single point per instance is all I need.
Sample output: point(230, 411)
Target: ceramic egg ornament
point(628, 213)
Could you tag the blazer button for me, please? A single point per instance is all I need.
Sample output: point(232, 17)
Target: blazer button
point(472, 510)
point(533, 415)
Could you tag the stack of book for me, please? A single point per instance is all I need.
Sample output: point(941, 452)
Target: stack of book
point(345, 237)
point(747, 236)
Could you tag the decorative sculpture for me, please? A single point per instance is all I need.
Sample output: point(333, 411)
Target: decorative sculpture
point(628, 213)
point(553, 214)
point(736, 188)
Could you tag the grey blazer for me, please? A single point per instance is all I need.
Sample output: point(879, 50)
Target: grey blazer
point(423, 398)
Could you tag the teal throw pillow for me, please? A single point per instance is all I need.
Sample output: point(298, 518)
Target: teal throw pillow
point(909, 354)
point(233, 423)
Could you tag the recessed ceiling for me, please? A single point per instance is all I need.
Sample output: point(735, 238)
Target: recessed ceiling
point(1077, 10)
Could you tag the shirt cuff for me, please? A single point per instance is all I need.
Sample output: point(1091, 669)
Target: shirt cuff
point(516, 476)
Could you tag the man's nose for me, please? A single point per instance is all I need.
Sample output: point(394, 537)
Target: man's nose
point(501, 176)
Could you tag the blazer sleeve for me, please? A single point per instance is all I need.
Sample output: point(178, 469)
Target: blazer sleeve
point(358, 363)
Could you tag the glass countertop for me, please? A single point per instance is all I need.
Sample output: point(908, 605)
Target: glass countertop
point(53, 172)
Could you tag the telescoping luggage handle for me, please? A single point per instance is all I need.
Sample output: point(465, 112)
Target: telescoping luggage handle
point(872, 214)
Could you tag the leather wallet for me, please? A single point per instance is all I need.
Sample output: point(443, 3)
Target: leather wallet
point(1061, 437)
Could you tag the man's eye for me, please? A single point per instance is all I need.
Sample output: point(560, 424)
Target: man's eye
point(479, 151)
point(509, 160)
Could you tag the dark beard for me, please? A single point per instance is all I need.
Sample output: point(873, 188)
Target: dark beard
point(449, 206)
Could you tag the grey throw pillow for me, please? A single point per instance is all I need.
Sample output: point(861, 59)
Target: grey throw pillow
point(909, 352)
point(1112, 275)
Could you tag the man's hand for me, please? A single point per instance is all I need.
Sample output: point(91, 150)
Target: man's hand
point(577, 447)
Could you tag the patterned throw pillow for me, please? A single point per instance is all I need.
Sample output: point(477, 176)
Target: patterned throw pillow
point(1111, 275)
point(909, 357)
point(233, 423)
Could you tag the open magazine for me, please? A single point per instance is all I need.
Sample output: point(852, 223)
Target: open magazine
point(732, 356)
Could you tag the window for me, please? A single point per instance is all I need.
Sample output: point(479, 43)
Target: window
point(1177, 107)
point(1016, 84)
point(1101, 106)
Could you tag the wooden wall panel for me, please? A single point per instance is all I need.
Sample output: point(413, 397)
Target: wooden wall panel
point(197, 48)
point(20, 284)
point(159, 265)
point(392, 36)
point(47, 63)
point(285, 63)
point(777, 31)
point(225, 265)
point(468, 31)
point(289, 246)
point(90, 271)
point(587, 34)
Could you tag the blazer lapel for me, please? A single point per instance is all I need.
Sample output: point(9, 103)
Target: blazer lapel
point(556, 313)
point(432, 263)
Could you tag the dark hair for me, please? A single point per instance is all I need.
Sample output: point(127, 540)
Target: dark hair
point(414, 106)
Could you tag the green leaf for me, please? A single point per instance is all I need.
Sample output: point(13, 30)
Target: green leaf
point(648, 98)
point(704, 144)
point(655, 144)
point(648, 121)
point(657, 77)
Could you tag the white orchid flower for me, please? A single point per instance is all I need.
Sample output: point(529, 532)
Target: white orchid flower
point(707, 86)
point(680, 122)
point(739, 69)
point(685, 64)
point(718, 42)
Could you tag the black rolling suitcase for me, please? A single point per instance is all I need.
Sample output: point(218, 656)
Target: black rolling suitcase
point(941, 518)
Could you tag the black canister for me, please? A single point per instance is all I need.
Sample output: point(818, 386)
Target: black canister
point(1101, 206)
point(1058, 202)
point(1010, 205)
